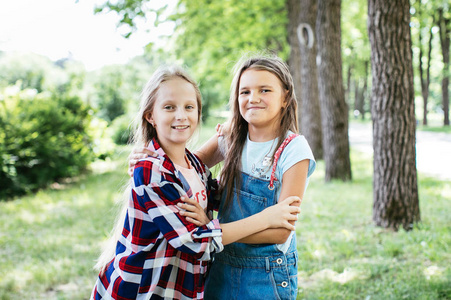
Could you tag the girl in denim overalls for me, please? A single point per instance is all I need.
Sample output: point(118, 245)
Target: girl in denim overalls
point(265, 162)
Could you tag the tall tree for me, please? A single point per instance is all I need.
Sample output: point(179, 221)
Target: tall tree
point(444, 26)
point(334, 110)
point(361, 94)
point(395, 187)
point(305, 42)
point(425, 75)
point(293, 8)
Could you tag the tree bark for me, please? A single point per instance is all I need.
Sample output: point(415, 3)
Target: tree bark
point(395, 187)
point(310, 113)
point(334, 110)
point(445, 41)
point(365, 89)
point(356, 96)
point(294, 61)
point(348, 85)
point(424, 78)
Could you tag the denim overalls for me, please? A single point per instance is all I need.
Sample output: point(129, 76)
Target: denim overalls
point(252, 271)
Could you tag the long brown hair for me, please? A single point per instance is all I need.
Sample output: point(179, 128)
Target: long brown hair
point(237, 134)
point(144, 133)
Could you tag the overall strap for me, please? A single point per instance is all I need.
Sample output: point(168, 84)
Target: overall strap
point(276, 158)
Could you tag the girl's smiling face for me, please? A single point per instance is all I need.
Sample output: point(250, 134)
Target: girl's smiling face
point(261, 99)
point(175, 113)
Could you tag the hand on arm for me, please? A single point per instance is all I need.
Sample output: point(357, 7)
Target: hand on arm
point(208, 153)
point(223, 129)
point(276, 216)
point(136, 155)
point(193, 212)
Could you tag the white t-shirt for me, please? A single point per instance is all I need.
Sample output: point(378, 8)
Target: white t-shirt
point(256, 157)
point(197, 187)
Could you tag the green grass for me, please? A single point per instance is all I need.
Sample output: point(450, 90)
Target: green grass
point(344, 256)
point(435, 125)
point(444, 129)
point(49, 241)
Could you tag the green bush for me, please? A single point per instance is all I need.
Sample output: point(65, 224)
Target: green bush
point(121, 130)
point(43, 138)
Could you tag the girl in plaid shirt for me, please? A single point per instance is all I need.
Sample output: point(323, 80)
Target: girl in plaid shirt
point(161, 250)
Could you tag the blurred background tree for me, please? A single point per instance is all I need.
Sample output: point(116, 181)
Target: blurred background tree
point(210, 36)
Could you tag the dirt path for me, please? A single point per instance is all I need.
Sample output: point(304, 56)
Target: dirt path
point(433, 149)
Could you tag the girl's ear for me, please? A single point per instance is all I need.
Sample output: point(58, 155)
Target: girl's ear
point(149, 118)
point(285, 102)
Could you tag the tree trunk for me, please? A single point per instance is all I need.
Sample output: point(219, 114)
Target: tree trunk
point(348, 85)
point(365, 90)
point(357, 103)
point(334, 110)
point(310, 114)
point(392, 106)
point(424, 78)
point(445, 41)
point(294, 61)
point(359, 100)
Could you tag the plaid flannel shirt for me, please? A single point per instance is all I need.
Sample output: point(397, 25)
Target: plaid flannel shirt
point(159, 254)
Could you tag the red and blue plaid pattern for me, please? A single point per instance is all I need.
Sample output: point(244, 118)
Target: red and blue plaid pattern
point(159, 254)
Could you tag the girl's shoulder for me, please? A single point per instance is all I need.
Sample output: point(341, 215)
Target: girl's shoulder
point(151, 169)
point(299, 141)
point(297, 150)
point(197, 163)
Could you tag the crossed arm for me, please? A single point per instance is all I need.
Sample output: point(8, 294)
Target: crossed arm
point(294, 181)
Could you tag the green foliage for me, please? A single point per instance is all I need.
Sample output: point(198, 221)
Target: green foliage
point(121, 130)
point(355, 42)
point(210, 36)
point(44, 138)
point(109, 94)
point(31, 70)
point(424, 18)
point(115, 90)
point(129, 12)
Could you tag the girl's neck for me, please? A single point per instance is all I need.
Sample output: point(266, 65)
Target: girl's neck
point(262, 134)
point(177, 155)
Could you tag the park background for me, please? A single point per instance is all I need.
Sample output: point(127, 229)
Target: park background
point(65, 121)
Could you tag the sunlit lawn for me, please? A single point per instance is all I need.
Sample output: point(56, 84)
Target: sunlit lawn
point(49, 241)
point(343, 256)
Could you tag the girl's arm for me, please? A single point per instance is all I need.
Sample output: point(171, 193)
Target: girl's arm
point(208, 153)
point(281, 215)
point(294, 180)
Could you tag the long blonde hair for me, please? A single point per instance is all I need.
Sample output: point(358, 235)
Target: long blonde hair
point(237, 136)
point(144, 134)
